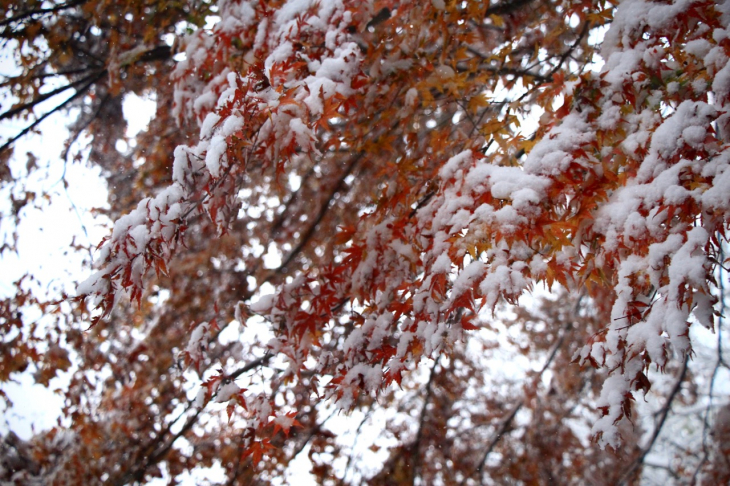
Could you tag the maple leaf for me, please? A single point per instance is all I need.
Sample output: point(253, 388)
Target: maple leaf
point(372, 181)
point(285, 422)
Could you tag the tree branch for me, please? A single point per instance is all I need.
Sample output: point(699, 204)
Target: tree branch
point(718, 364)
point(507, 420)
point(419, 435)
point(320, 215)
point(572, 48)
point(155, 457)
point(657, 430)
point(354, 443)
point(41, 11)
point(506, 70)
point(25, 106)
point(506, 7)
point(30, 127)
point(22, 78)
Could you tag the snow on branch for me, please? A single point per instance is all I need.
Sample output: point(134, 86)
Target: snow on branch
point(627, 190)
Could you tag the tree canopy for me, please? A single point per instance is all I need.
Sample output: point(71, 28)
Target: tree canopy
point(339, 209)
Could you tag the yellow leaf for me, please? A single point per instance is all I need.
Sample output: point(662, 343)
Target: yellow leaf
point(527, 145)
point(479, 101)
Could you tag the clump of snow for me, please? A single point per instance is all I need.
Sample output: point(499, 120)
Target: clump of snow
point(411, 97)
point(226, 391)
point(198, 342)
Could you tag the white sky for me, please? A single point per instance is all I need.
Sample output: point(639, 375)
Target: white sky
point(44, 236)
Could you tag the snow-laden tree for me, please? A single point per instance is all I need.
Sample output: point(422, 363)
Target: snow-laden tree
point(336, 210)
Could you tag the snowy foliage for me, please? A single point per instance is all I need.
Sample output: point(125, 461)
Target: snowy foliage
point(629, 188)
point(344, 204)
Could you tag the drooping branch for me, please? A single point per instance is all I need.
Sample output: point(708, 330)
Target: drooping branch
point(80, 92)
point(10, 80)
point(41, 12)
point(27, 106)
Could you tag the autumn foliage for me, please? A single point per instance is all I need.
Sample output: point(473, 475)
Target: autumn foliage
point(362, 194)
